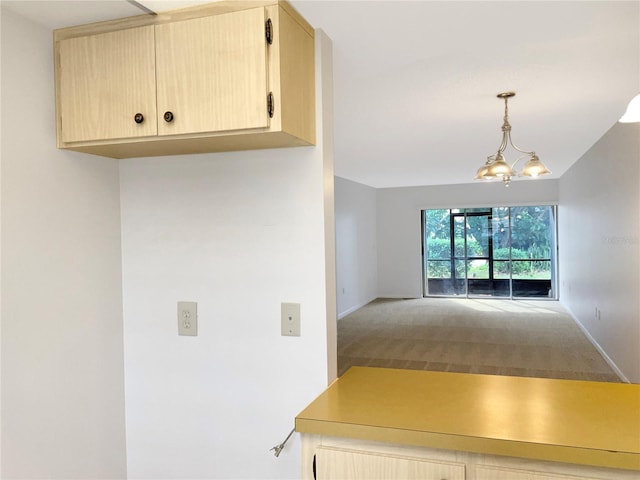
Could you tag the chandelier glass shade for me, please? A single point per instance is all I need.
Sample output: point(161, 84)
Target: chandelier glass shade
point(497, 168)
point(632, 115)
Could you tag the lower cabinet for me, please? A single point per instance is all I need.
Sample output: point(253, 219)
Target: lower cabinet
point(333, 458)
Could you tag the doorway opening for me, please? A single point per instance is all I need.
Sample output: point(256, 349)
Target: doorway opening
point(505, 252)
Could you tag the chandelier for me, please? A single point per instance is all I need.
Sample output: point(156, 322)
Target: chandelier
point(496, 167)
point(632, 115)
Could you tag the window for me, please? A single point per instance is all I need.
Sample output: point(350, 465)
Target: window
point(493, 251)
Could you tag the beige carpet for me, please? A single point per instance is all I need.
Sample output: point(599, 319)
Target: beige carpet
point(500, 337)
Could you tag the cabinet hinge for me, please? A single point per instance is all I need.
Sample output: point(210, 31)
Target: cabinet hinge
point(268, 31)
point(270, 104)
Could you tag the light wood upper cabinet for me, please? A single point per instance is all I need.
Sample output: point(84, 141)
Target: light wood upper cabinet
point(201, 79)
point(212, 73)
point(104, 82)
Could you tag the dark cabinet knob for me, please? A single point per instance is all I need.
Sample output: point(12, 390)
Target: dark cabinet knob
point(168, 117)
point(139, 118)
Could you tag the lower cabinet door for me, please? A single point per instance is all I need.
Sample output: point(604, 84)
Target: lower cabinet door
point(499, 473)
point(342, 464)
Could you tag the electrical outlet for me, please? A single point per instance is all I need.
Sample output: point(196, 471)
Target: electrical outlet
point(290, 319)
point(188, 318)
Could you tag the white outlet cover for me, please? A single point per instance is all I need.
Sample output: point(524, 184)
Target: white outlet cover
point(188, 318)
point(290, 319)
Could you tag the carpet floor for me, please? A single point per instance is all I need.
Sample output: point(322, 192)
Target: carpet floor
point(533, 338)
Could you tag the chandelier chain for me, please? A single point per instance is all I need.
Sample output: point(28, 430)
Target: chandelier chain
point(506, 125)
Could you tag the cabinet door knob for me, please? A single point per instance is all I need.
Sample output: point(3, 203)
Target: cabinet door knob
point(138, 118)
point(168, 117)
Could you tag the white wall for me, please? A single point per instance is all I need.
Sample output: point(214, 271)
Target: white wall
point(62, 347)
point(399, 229)
point(239, 233)
point(356, 251)
point(599, 241)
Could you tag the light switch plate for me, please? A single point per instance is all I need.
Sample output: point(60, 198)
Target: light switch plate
point(290, 319)
point(188, 318)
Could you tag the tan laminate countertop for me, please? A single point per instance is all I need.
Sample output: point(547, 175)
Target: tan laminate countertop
point(588, 423)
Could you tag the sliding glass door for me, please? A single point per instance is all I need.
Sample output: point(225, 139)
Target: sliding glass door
point(489, 252)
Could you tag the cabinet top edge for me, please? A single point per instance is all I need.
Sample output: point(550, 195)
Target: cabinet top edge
point(215, 8)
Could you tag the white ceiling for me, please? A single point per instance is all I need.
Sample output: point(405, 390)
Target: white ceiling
point(415, 82)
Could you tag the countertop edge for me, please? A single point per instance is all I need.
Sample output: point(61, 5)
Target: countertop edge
point(510, 448)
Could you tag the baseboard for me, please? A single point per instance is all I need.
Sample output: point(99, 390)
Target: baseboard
point(341, 315)
point(353, 309)
point(606, 357)
point(403, 297)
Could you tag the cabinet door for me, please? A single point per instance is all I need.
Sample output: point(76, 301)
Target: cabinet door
point(337, 463)
point(105, 80)
point(498, 473)
point(212, 73)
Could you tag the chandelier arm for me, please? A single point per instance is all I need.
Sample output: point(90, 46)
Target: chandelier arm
point(518, 149)
point(513, 165)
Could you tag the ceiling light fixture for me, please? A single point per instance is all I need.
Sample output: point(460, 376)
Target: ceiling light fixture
point(497, 168)
point(632, 115)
